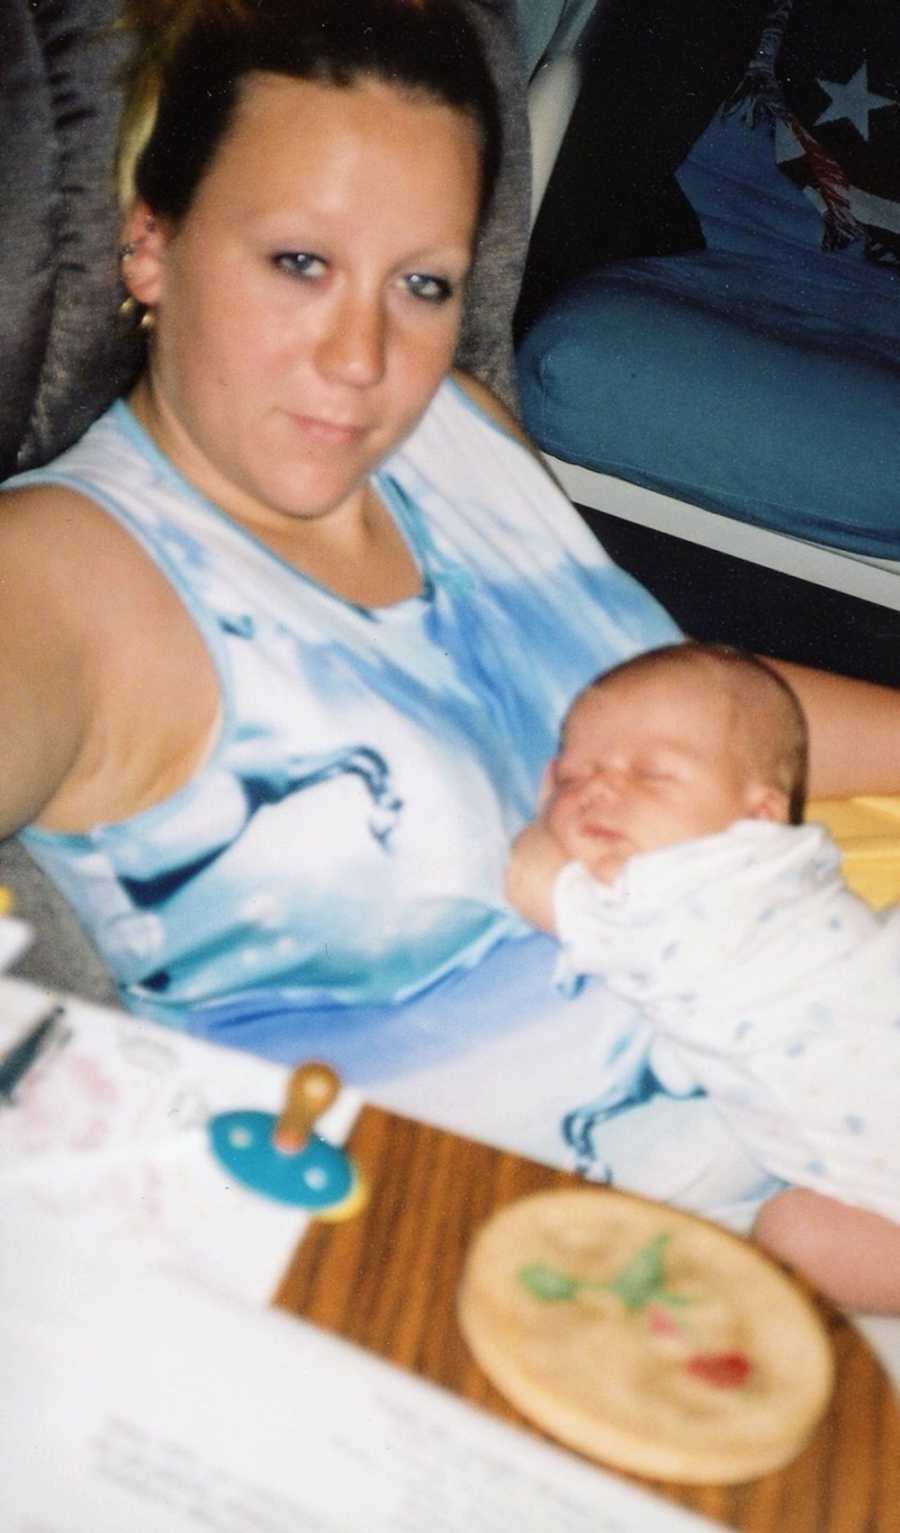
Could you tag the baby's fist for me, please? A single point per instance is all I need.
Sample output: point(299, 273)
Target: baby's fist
point(535, 860)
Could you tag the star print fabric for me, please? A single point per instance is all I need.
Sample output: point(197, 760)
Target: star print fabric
point(827, 80)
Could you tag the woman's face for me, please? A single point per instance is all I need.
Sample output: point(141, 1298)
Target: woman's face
point(307, 306)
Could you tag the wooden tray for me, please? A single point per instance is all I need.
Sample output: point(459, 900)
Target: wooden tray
point(388, 1281)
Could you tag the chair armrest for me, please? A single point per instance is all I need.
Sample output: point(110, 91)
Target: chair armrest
point(551, 100)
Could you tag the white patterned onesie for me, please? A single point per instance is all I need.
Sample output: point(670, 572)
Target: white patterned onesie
point(767, 984)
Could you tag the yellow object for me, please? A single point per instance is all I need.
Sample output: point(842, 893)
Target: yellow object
point(350, 1206)
point(6, 901)
point(867, 830)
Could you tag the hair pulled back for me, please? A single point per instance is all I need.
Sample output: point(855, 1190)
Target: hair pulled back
point(193, 55)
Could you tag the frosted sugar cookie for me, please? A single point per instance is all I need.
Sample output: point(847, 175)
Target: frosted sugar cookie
point(644, 1337)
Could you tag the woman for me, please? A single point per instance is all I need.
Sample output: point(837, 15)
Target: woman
point(292, 631)
point(237, 755)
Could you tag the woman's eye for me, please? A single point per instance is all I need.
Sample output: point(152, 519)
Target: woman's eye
point(429, 289)
point(299, 263)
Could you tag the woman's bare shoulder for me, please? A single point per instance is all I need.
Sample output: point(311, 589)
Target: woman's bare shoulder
point(50, 537)
point(66, 551)
point(78, 597)
point(50, 519)
point(488, 401)
point(46, 591)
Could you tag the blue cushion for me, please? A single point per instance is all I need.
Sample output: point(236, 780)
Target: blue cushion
point(764, 388)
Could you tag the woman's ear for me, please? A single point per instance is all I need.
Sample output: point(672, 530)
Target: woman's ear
point(141, 252)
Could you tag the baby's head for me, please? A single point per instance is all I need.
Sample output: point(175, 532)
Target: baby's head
point(677, 743)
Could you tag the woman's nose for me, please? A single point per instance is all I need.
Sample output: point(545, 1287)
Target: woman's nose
point(352, 347)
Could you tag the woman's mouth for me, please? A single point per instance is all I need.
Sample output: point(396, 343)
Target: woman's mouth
point(330, 433)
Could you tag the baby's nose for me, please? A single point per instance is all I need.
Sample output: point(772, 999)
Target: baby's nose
point(604, 783)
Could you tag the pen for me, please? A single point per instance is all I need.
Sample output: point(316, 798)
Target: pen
point(18, 1060)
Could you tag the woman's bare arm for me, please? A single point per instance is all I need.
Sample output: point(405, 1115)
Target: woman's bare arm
point(854, 732)
point(43, 704)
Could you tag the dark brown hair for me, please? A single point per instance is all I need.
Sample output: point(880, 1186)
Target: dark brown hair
point(192, 59)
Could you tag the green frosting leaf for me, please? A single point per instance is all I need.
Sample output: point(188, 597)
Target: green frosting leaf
point(639, 1281)
point(642, 1277)
point(546, 1283)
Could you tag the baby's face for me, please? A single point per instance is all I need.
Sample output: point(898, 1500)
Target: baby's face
point(647, 761)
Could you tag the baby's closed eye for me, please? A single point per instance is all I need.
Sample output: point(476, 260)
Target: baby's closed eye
point(656, 773)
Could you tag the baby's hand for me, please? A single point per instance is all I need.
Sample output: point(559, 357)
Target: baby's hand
point(535, 859)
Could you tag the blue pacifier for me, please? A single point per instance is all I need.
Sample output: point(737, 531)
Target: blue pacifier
point(281, 1157)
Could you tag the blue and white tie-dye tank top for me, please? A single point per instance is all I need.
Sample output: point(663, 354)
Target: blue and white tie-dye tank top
point(344, 841)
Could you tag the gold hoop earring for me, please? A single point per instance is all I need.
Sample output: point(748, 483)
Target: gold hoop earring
point(134, 316)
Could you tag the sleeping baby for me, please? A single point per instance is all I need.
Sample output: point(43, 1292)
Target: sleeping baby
point(668, 856)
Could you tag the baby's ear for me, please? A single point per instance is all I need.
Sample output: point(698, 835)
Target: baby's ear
point(768, 803)
point(548, 783)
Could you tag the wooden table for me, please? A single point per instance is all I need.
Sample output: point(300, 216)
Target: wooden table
point(388, 1281)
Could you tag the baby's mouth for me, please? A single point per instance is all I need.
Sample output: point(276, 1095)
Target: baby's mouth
point(592, 830)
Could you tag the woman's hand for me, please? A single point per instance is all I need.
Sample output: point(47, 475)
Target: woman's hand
point(535, 860)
